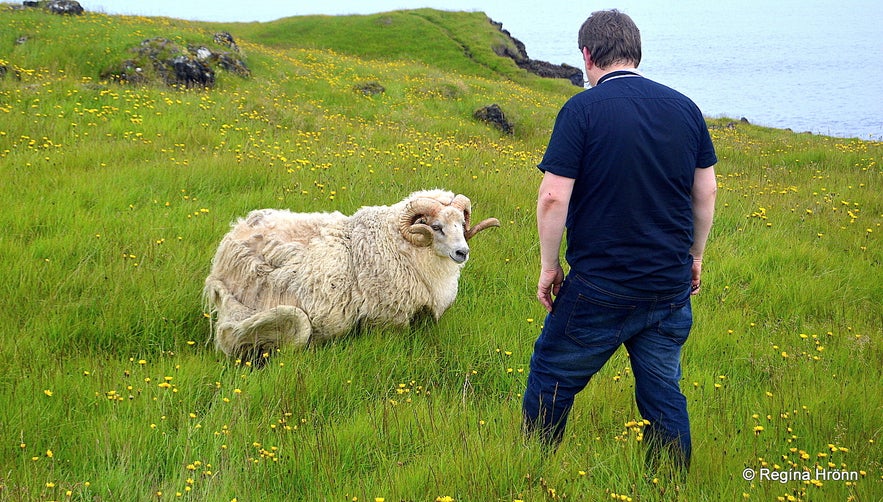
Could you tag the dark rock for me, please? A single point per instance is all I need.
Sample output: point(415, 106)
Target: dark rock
point(232, 64)
point(64, 7)
point(189, 73)
point(369, 88)
point(507, 52)
point(7, 71)
point(226, 39)
point(225, 60)
point(549, 70)
point(174, 65)
point(493, 114)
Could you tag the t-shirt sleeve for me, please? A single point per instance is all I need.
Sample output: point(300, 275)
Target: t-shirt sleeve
point(564, 153)
point(706, 157)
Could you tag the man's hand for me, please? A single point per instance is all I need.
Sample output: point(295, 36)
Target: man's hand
point(696, 279)
point(549, 285)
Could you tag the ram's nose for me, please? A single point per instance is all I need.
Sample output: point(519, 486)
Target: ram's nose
point(460, 255)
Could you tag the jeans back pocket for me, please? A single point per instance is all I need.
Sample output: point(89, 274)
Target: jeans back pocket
point(594, 322)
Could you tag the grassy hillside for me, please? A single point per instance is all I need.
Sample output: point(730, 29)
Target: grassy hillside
point(456, 41)
point(114, 198)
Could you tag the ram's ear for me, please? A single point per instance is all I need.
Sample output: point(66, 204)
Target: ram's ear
point(418, 234)
point(411, 223)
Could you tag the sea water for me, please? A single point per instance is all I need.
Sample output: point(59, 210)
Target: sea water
point(813, 66)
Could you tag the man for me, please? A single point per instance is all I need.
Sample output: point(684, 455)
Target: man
point(629, 171)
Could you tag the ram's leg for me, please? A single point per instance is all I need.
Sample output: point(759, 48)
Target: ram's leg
point(257, 336)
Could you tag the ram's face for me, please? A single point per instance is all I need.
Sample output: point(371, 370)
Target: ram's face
point(448, 233)
point(444, 226)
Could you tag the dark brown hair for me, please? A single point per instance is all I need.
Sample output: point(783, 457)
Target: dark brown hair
point(611, 37)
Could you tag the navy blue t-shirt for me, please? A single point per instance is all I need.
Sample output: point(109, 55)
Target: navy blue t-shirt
point(632, 146)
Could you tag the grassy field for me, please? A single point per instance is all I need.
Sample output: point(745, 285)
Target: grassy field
point(114, 199)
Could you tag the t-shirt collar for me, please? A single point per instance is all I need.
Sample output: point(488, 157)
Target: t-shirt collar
point(619, 74)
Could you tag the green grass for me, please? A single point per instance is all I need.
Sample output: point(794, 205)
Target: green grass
point(114, 199)
point(454, 41)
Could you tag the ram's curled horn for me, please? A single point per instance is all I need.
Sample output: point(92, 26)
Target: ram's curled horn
point(414, 231)
point(464, 204)
point(483, 224)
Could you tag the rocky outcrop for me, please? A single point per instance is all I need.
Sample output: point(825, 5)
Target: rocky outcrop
point(549, 70)
point(537, 67)
point(64, 7)
point(192, 66)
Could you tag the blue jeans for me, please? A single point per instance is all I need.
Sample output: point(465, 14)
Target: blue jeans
point(588, 323)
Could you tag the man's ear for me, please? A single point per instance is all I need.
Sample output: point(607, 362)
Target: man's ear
point(587, 57)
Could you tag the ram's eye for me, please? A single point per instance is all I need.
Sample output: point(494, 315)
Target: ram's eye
point(437, 228)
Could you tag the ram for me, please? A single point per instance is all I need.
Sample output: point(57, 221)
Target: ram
point(280, 277)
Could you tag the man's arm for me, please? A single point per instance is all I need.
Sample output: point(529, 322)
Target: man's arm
point(552, 203)
point(703, 195)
